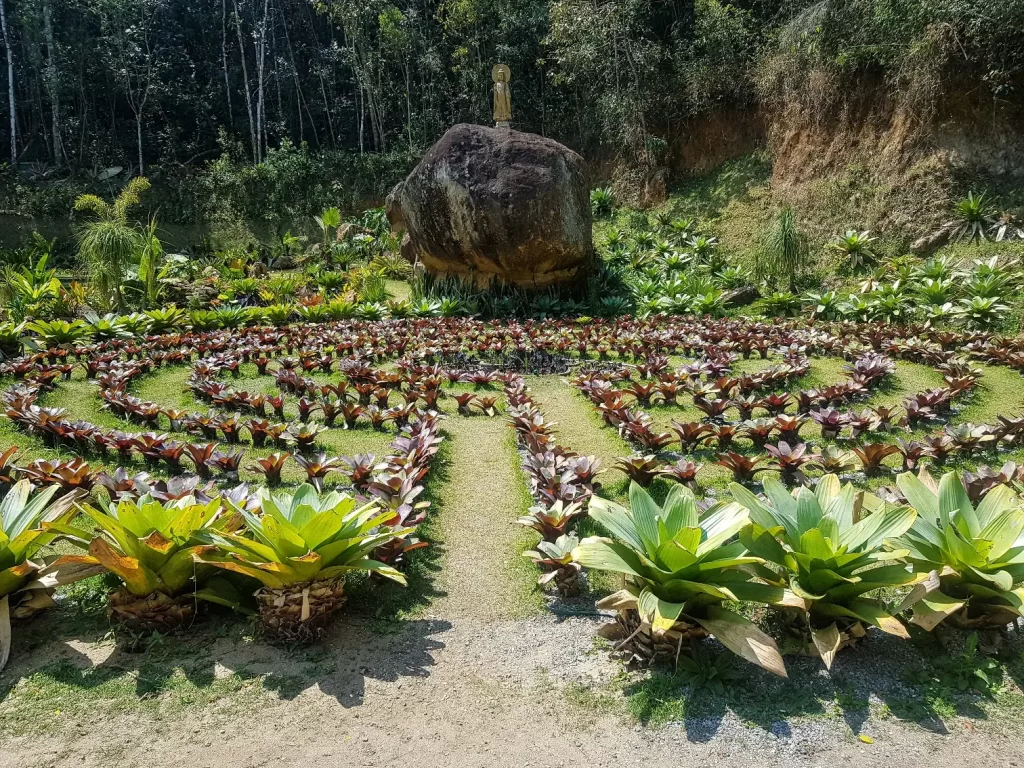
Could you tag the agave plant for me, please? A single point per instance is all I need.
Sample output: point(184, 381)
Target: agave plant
point(26, 522)
point(679, 570)
point(975, 554)
point(303, 546)
point(829, 547)
point(149, 546)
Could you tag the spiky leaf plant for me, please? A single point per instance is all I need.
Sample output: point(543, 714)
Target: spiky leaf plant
point(108, 242)
point(976, 554)
point(829, 548)
point(679, 568)
point(303, 546)
point(555, 560)
point(23, 521)
point(149, 545)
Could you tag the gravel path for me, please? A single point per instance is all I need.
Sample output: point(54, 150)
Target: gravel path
point(470, 693)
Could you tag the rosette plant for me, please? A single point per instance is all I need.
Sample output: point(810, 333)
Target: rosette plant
point(680, 567)
point(25, 582)
point(975, 555)
point(828, 546)
point(300, 547)
point(149, 545)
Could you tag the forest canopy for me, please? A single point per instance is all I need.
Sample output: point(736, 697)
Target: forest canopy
point(129, 84)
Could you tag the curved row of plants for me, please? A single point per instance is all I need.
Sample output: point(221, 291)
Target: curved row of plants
point(430, 353)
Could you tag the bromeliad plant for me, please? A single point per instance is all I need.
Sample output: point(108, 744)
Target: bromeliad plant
point(149, 546)
point(554, 521)
point(303, 544)
point(829, 548)
point(555, 561)
point(974, 554)
point(24, 522)
point(680, 567)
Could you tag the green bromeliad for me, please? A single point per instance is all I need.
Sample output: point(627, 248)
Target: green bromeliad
point(976, 555)
point(25, 581)
point(680, 568)
point(303, 544)
point(150, 546)
point(829, 547)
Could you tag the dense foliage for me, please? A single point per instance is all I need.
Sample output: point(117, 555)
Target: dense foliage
point(106, 90)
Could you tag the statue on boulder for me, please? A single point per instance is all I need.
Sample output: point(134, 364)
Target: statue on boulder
point(492, 204)
point(502, 75)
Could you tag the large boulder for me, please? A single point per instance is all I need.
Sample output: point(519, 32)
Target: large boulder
point(493, 203)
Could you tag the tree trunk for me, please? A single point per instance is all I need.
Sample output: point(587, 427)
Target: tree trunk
point(10, 85)
point(261, 54)
point(362, 117)
point(408, 100)
point(224, 56)
point(245, 82)
point(138, 140)
point(52, 84)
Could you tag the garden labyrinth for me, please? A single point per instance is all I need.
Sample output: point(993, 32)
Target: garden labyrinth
point(408, 533)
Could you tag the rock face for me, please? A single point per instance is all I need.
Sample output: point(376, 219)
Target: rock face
point(490, 203)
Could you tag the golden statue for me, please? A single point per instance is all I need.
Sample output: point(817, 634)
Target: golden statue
point(501, 75)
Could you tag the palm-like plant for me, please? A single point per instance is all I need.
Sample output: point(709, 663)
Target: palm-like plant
point(151, 264)
point(783, 251)
point(303, 546)
point(679, 569)
point(149, 546)
point(328, 221)
point(976, 554)
point(830, 554)
point(23, 532)
point(110, 242)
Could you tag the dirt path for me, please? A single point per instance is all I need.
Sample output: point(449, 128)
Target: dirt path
point(474, 694)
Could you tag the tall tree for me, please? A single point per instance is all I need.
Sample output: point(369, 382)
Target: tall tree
point(52, 81)
point(9, 49)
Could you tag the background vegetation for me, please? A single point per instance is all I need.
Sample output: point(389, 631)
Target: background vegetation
point(280, 109)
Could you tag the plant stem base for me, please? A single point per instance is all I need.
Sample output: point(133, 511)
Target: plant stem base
point(157, 612)
point(300, 613)
point(643, 646)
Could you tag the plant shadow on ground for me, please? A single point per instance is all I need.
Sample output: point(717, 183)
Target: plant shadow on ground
point(884, 678)
point(217, 658)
